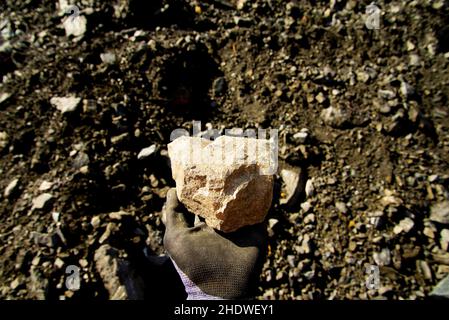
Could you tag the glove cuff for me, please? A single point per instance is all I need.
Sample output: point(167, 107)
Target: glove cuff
point(192, 290)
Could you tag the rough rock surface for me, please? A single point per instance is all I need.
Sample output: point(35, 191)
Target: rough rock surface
point(222, 181)
point(119, 278)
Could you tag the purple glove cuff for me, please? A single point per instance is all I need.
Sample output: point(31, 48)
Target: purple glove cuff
point(193, 291)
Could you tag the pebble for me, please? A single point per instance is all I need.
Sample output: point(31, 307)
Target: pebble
point(59, 263)
point(444, 239)
point(9, 190)
point(405, 225)
point(310, 218)
point(219, 86)
point(45, 185)
point(301, 136)
point(341, 206)
point(309, 189)
point(120, 138)
point(108, 58)
point(95, 221)
point(305, 206)
point(439, 212)
point(41, 201)
point(382, 258)
point(83, 263)
point(406, 89)
point(425, 269)
point(334, 117)
point(146, 152)
point(291, 260)
point(65, 104)
point(4, 139)
point(320, 98)
point(15, 283)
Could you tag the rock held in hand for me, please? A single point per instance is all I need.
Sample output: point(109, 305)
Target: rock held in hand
point(229, 181)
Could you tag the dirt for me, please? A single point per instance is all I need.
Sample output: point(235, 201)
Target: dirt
point(269, 64)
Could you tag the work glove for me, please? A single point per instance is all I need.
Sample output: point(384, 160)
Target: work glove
point(212, 264)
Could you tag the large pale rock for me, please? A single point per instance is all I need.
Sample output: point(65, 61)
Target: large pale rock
point(229, 181)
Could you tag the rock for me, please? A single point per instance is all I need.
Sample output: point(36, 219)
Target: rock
point(65, 104)
point(439, 212)
point(310, 218)
point(146, 152)
point(120, 138)
point(425, 269)
point(341, 206)
point(108, 58)
point(405, 225)
point(75, 26)
point(119, 278)
point(309, 189)
point(294, 183)
point(441, 289)
point(229, 181)
point(301, 137)
point(334, 117)
point(41, 201)
point(4, 96)
point(219, 86)
point(95, 222)
point(45, 185)
point(305, 206)
point(444, 239)
point(382, 258)
point(4, 140)
point(11, 188)
point(320, 98)
point(59, 263)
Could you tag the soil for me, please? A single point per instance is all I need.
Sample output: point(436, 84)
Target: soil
point(382, 154)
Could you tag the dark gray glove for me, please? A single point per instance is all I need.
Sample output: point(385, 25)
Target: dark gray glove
point(213, 264)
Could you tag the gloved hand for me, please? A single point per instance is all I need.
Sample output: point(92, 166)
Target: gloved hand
point(211, 264)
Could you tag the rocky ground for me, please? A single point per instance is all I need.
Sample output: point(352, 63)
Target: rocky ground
point(362, 113)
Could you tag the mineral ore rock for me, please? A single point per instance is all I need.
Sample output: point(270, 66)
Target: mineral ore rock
point(228, 181)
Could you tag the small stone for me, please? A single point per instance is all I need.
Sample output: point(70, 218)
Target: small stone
point(55, 216)
point(301, 137)
point(310, 218)
point(294, 186)
point(406, 89)
point(4, 96)
point(146, 152)
point(4, 140)
point(386, 94)
point(120, 138)
point(59, 263)
point(95, 222)
point(429, 232)
point(291, 260)
point(414, 60)
point(410, 45)
point(425, 269)
point(119, 277)
point(439, 212)
point(108, 58)
point(219, 86)
point(228, 181)
point(309, 189)
point(341, 206)
point(41, 201)
point(334, 117)
point(272, 222)
point(382, 258)
point(83, 263)
point(320, 98)
point(15, 283)
point(35, 261)
point(65, 104)
point(11, 188)
point(45, 185)
point(305, 206)
point(444, 239)
point(405, 225)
